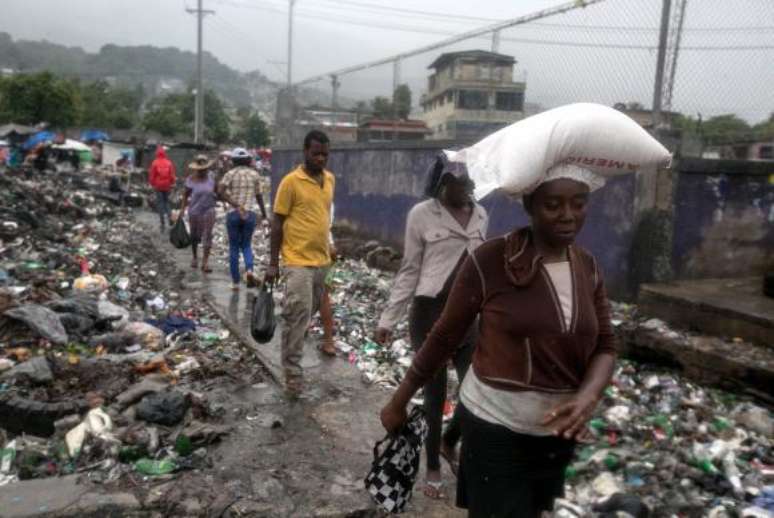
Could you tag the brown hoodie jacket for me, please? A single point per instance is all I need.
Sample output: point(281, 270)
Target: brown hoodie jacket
point(523, 342)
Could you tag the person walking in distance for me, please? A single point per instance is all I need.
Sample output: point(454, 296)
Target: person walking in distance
point(199, 197)
point(300, 232)
point(440, 233)
point(241, 189)
point(162, 178)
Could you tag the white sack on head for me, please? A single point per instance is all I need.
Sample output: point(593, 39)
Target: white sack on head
point(601, 139)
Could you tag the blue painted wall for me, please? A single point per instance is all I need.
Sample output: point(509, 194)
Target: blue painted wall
point(377, 185)
point(723, 219)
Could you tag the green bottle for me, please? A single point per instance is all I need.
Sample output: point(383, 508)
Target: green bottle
point(707, 466)
point(612, 462)
point(155, 467)
point(720, 424)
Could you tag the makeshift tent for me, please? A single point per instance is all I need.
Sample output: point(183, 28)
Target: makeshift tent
point(112, 151)
point(94, 135)
point(38, 138)
point(84, 151)
point(12, 131)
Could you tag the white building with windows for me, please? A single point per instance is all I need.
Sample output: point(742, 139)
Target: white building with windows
point(471, 94)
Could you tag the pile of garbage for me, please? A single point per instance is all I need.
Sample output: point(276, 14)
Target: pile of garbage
point(662, 442)
point(105, 361)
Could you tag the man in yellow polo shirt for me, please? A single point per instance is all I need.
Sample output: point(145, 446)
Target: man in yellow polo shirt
point(300, 231)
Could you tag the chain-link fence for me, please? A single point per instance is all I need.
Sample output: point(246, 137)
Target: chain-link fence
point(606, 52)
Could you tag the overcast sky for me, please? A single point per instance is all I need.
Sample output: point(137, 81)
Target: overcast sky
point(604, 53)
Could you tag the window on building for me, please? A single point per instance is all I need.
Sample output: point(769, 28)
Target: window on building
point(766, 152)
point(509, 101)
point(472, 100)
point(484, 72)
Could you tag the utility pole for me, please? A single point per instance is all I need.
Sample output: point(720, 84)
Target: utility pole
point(495, 41)
point(290, 44)
point(199, 103)
point(658, 87)
point(395, 84)
point(289, 104)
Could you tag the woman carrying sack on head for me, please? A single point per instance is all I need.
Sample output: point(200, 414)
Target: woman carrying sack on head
point(440, 233)
point(545, 353)
point(200, 197)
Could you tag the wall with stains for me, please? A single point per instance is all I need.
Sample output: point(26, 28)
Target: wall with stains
point(722, 212)
point(377, 184)
point(723, 218)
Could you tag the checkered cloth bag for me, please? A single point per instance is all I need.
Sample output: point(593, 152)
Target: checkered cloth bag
point(395, 468)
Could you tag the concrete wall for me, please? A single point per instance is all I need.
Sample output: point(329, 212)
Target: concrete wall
point(723, 218)
point(714, 218)
point(377, 184)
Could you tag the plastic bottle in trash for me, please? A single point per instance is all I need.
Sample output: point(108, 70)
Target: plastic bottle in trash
point(155, 467)
point(662, 422)
point(707, 466)
point(598, 425)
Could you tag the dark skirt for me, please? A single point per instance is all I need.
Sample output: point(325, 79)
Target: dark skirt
point(506, 474)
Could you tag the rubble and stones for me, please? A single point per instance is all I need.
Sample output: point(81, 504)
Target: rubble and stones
point(81, 365)
point(661, 440)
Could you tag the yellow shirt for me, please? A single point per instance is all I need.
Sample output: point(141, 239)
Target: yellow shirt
point(307, 210)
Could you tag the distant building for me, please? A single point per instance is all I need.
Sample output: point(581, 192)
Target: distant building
point(294, 122)
point(745, 150)
point(383, 130)
point(471, 94)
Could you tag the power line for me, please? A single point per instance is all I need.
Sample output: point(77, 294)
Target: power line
point(230, 30)
point(454, 18)
point(536, 41)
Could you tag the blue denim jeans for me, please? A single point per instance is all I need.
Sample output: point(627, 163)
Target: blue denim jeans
point(240, 238)
point(162, 205)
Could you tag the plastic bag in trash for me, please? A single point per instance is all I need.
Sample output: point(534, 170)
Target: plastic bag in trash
point(42, 320)
point(164, 408)
point(119, 315)
point(179, 236)
point(263, 321)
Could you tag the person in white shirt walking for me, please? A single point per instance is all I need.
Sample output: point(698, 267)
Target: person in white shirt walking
point(440, 233)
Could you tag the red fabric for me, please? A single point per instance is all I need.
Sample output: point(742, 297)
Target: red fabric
point(162, 172)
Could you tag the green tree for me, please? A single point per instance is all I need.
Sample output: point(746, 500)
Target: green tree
point(31, 99)
point(382, 108)
point(110, 107)
point(165, 115)
point(402, 100)
point(174, 114)
point(216, 121)
point(765, 129)
point(725, 128)
point(254, 131)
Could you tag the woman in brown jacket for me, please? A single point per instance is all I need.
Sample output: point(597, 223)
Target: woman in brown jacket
point(545, 353)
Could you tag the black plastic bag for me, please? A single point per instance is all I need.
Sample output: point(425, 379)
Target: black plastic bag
point(263, 321)
point(179, 236)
